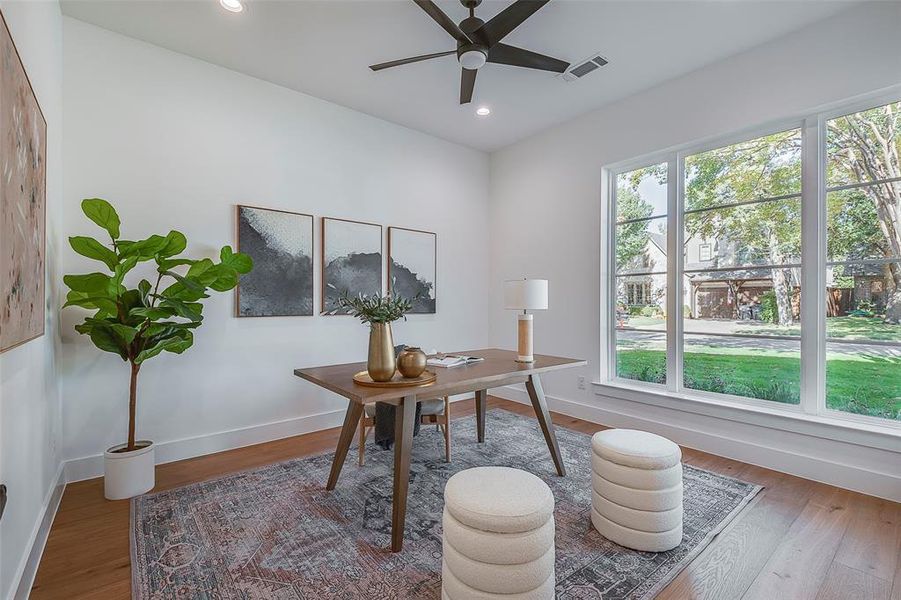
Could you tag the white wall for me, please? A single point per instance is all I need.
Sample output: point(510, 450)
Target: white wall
point(547, 190)
point(175, 142)
point(29, 391)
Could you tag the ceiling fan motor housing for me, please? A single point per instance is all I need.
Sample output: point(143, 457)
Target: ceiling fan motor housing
point(472, 55)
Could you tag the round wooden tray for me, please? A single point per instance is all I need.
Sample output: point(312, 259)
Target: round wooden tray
point(398, 381)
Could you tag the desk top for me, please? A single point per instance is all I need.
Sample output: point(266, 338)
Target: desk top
point(499, 368)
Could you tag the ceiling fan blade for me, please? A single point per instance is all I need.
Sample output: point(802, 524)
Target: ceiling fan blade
point(412, 59)
point(511, 55)
point(442, 19)
point(467, 85)
point(509, 19)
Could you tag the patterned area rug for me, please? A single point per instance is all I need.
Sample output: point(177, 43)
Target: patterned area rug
point(275, 533)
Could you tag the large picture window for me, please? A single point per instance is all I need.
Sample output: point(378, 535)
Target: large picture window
point(735, 290)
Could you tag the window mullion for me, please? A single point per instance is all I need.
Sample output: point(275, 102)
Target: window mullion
point(813, 269)
point(674, 245)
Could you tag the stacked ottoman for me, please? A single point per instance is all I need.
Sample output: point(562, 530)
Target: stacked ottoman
point(637, 489)
point(498, 538)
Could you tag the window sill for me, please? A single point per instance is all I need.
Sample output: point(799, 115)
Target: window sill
point(883, 437)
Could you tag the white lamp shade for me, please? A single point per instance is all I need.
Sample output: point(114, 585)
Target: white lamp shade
point(525, 294)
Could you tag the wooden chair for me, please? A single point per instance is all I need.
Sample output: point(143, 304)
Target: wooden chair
point(435, 411)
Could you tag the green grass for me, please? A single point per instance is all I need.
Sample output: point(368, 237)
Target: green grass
point(859, 384)
point(864, 328)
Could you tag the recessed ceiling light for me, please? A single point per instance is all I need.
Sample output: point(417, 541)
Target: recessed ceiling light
point(232, 5)
point(483, 111)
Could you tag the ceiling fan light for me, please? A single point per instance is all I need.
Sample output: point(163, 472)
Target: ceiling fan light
point(232, 5)
point(472, 59)
point(483, 111)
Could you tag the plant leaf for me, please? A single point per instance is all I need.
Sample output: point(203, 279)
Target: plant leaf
point(84, 300)
point(95, 284)
point(91, 248)
point(152, 313)
point(143, 249)
point(166, 264)
point(177, 343)
point(241, 263)
point(176, 242)
point(103, 214)
point(104, 337)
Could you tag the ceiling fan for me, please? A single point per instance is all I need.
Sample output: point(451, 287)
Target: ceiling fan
point(479, 42)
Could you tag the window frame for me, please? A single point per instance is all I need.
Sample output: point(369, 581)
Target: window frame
point(813, 339)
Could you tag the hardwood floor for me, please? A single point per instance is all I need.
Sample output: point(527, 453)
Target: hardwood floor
point(799, 539)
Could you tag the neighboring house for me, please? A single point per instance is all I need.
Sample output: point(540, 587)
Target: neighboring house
point(709, 292)
point(646, 284)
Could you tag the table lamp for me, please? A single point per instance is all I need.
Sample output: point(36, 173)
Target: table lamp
point(525, 295)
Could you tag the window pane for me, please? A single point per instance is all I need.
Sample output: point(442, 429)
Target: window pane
point(641, 246)
point(765, 369)
point(864, 379)
point(765, 167)
point(641, 193)
point(859, 226)
point(767, 233)
point(864, 146)
point(863, 356)
point(741, 307)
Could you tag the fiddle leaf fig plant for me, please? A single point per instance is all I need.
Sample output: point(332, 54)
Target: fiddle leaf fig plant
point(159, 314)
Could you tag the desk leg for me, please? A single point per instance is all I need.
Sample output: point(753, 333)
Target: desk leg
point(404, 418)
point(536, 394)
point(481, 408)
point(351, 420)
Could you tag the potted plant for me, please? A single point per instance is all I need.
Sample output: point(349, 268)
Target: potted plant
point(378, 312)
point(141, 322)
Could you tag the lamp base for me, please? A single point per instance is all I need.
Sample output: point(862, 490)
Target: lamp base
point(524, 347)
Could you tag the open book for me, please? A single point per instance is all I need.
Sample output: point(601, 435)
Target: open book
point(449, 361)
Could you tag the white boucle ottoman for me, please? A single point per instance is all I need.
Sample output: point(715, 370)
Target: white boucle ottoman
point(498, 536)
point(637, 489)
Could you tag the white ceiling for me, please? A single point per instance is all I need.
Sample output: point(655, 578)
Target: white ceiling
point(323, 48)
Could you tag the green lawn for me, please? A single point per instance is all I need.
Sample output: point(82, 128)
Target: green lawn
point(864, 328)
point(863, 385)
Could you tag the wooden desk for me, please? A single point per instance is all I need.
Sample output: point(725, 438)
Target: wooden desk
point(498, 369)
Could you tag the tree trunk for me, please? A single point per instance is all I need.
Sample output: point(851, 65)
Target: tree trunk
point(132, 405)
point(782, 290)
point(893, 303)
point(781, 282)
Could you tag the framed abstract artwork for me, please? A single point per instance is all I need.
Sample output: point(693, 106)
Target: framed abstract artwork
point(412, 267)
point(281, 246)
point(351, 261)
point(23, 196)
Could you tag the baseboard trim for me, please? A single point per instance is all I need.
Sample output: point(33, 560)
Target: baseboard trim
point(28, 568)
point(91, 467)
point(852, 477)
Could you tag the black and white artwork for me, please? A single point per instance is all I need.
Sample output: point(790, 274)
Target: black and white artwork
point(412, 263)
point(351, 261)
point(281, 246)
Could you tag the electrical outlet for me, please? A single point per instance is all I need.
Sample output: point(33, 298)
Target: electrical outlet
point(581, 383)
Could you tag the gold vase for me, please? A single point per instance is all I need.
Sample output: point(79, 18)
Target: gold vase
point(382, 362)
point(412, 362)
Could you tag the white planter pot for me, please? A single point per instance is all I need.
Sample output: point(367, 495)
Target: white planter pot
point(128, 474)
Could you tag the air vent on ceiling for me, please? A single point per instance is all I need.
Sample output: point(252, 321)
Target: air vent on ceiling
point(585, 67)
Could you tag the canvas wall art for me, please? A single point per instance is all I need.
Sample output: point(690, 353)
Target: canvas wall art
point(351, 261)
point(281, 246)
point(23, 184)
point(412, 266)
